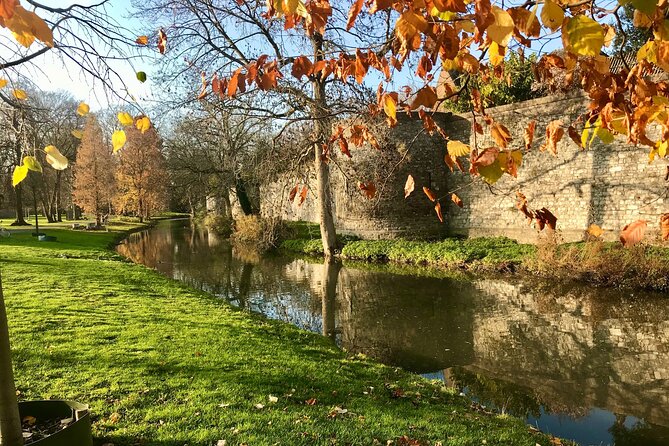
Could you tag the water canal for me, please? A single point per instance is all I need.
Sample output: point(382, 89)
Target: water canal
point(578, 362)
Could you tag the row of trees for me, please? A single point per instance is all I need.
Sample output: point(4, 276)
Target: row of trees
point(133, 181)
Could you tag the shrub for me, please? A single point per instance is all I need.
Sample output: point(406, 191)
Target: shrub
point(263, 233)
point(220, 224)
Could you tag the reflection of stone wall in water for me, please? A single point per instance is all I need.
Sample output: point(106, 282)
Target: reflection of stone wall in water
point(575, 350)
point(609, 185)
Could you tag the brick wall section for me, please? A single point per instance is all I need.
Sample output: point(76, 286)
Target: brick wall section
point(609, 185)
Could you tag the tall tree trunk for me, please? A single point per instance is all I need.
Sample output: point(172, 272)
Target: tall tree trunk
point(242, 196)
point(59, 200)
point(20, 220)
point(321, 133)
point(10, 423)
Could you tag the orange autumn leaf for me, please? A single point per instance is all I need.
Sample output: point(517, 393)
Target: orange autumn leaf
point(425, 97)
point(455, 199)
point(529, 134)
point(356, 7)
point(162, 41)
point(142, 40)
point(437, 209)
point(7, 8)
point(594, 230)
point(369, 189)
point(554, 133)
point(303, 195)
point(409, 186)
point(429, 193)
point(633, 233)
point(500, 134)
point(293, 193)
point(302, 66)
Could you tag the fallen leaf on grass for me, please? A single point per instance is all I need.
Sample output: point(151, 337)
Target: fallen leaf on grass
point(311, 402)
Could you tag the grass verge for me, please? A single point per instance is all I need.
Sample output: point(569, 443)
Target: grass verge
point(163, 364)
point(597, 262)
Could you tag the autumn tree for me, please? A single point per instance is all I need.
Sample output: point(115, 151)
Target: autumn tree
point(94, 182)
point(141, 174)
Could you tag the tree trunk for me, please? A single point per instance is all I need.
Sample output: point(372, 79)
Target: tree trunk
point(10, 422)
point(243, 196)
point(59, 203)
point(20, 220)
point(321, 134)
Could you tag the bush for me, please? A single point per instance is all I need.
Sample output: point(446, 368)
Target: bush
point(220, 224)
point(263, 233)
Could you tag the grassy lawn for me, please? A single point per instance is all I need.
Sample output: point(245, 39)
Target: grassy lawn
point(163, 364)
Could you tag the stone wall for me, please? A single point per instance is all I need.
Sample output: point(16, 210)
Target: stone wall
point(405, 149)
point(609, 185)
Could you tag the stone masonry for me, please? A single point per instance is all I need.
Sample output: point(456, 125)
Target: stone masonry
point(608, 185)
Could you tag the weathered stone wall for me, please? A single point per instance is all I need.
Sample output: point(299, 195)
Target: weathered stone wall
point(405, 150)
point(609, 185)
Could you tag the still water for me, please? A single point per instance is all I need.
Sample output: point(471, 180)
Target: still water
point(586, 364)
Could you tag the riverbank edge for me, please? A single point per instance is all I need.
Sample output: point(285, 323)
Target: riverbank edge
point(609, 264)
point(400, 394)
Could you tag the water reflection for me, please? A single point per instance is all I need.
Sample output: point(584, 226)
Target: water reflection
point(581, 363)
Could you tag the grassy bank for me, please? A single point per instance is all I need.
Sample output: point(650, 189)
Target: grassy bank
point(598, 262)
point(163, 364)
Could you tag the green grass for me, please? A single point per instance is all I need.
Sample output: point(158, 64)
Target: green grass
point(163, 364)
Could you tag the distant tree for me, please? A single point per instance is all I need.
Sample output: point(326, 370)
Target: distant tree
point(629, 38)
point(516, 84)
point(94, 172)
point(141, 174)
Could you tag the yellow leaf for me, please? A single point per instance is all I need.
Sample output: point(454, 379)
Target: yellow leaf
point(32, 164)
point(390, 107)
point(445, 15)
point(594, 230)
point(142, 40)
point(502, 29)
point(143, 124)
point(662, 148)
point(496, 53)
point(584, 136)
point(583, 36)
point(55, 158)
point(492, 172)
point(457, 148)
point(20, 94)
point(77, 133)
point(125, 119)
point(552, 15)
point(3, 83)
point(83, 109)
point(20, 174)
point(648, 52)
point(118, 140)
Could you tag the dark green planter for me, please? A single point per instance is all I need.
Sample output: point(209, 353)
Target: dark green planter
point(76, 434)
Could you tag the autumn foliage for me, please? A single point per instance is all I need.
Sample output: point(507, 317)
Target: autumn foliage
point(94, 183)
point(141, 177)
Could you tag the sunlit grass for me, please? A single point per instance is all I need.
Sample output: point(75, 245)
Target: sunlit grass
point(163, 364)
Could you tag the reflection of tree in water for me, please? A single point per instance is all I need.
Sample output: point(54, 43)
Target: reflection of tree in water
point(640, 434)
point(502, 395)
